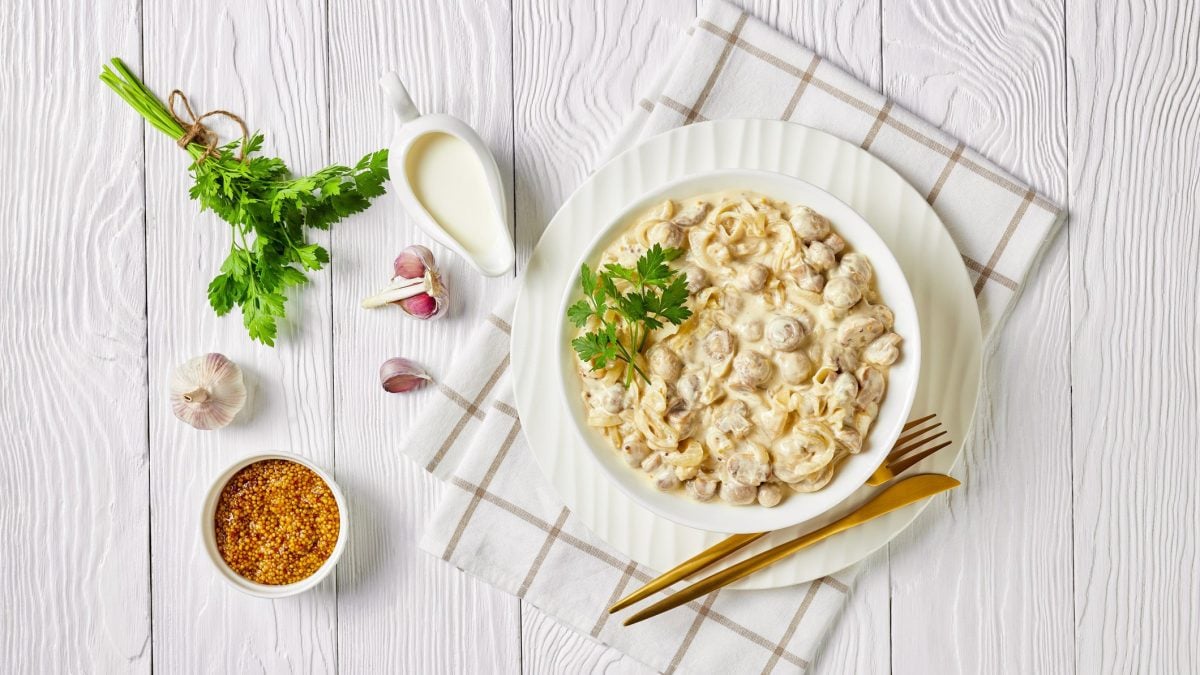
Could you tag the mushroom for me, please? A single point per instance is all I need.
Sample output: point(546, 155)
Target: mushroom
point(769, 495)
point(665, 363)
point(635, 451)
point(858, 331)
point(820, 256)
point(735, 493)
point(808, 279)
point(667, 234)
point(884, 350)
point(612, 399)
point(785, 333)
point(845, 390)
point(703, 487)
point(870, 385)
point(718, 344)
point(835, 242)
point(692, 215)
point(748, 465)
point(750, 330)
point(794, 367)
point(697, 280)
point(855, 267)
point(809, 224)
point(751, 369)
point(842, 293)
point(754, 277)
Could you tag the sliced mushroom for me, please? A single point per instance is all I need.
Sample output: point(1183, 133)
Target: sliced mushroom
point(665, 478)
point(785, 333)
point(635, 451)
point(666, 234)
point(703, 487)
point(857, 331)
point(884, 314)
point(845, 389)
point(718, 344)
point(750, 464)
point(612, 399)
point(697, 280)
point(820, 256)
point(735, 419)
point(692, 215)
point(835, 242)
point(808, 279)
point(871, 384)
point(665, 363)
point(738, 494)
point(884, 350)
point(856, 267)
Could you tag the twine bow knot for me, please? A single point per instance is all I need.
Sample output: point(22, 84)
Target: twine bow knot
point(196, 132)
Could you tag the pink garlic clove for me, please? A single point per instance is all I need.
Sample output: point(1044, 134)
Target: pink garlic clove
point(413, 262)
point(417, 287)
point(398, 375)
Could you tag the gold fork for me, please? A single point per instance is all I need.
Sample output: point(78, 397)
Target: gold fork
point(895, 463)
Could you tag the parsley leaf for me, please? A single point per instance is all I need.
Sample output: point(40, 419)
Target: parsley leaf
point(655, 295)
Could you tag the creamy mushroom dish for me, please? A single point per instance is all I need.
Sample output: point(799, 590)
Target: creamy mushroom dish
point(777, 374)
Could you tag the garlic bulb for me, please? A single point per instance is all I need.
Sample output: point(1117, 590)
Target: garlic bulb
point(416, 287)
point(399, 375)
point(207, 391)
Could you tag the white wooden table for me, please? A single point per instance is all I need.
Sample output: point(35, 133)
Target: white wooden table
point(1071, 546)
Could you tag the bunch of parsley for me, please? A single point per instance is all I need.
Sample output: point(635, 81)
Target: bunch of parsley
point(268, 210)
point(656, 294)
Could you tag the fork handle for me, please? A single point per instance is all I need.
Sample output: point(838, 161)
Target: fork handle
point(697, 562)
point(898, 495)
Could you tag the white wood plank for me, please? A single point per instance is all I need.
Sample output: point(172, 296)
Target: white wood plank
point(847, 34)
point(1134, 115)
point(400, 609)
point(982, 582)
point(578, 68)
point(265, 61)
point(73, 447)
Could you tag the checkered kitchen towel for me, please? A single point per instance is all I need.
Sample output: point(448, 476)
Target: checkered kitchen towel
point(501, 521)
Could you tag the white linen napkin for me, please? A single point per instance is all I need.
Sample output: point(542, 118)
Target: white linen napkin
point(500, 520)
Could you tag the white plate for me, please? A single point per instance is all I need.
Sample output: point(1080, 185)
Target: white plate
point(948, 315)
point(717, 515)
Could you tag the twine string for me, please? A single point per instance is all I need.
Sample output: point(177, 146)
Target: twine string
point(196, 132)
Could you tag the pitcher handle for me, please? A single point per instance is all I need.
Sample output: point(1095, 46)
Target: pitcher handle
point(397, 95)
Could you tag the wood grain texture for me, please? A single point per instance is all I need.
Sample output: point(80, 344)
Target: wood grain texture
point(992, 74)
point(400, 609)
point(1134, 115)
point(73, 448)
point(265, 61)
point(577, 70)
point(848, 35)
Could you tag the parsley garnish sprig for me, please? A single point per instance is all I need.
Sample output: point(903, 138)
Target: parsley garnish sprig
point(656, 294)
point(268, 210)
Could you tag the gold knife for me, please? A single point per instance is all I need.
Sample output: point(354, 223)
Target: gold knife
point(894, 497)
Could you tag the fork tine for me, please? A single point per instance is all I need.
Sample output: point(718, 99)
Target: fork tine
point(909, 436)
point(903, 464)
point(917, 421)
point(902, 450)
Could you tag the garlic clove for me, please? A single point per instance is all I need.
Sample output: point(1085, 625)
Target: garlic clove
point(416, 287)
point(398, 375)
point(413, 262)
point(208, 391)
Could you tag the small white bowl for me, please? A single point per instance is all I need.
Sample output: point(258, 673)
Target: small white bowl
point(796, 508)
point(208, 530)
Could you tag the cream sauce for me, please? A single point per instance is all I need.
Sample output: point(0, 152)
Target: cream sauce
point(448, 179)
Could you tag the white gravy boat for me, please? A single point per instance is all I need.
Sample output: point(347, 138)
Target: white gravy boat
point(449, 183)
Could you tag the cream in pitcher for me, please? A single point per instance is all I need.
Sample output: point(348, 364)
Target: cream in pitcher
point(449, 183)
